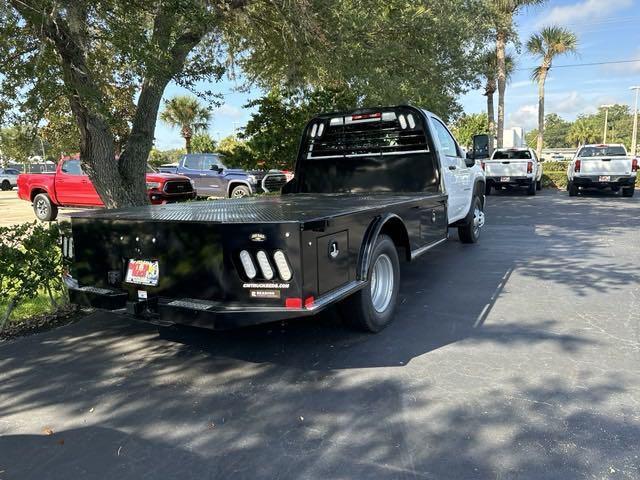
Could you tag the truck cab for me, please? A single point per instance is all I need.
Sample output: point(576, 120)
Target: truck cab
point(603, 166)
point(213, 178)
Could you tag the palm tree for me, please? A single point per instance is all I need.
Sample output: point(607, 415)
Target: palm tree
point(188, 115)
point(583, 131)
point(502, 14)
point(548, 44)
point(489, 73)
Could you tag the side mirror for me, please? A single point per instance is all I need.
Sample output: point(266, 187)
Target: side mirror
point(470, 155)
point(470, 162)
point(217, 168)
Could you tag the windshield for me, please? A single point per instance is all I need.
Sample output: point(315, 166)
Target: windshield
point(603, 151)
point(512, 155)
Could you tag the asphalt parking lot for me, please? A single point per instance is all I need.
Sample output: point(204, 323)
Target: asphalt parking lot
point(518, 357)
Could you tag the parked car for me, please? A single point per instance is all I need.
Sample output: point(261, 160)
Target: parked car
point(68, 186)
point(8, 178)
point(212, 178)
point(371, 186)
point(602, 166)
point(513, 167)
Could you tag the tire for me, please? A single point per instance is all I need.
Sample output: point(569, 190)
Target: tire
point(573, 189)
point(372, 308)
point(628, 192)
point(531, 189)
point(44, 209)
point(539, 185)
point(470, 231)
point(487, 189)
point(240, 191)
point(6, 185)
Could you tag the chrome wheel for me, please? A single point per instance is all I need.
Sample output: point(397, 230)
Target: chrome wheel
point(478, 220)
point(382, 283)
point(42, 208)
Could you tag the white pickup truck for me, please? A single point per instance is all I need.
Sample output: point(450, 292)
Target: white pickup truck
point(513, 167)
point(602, 166)
point(8, 178)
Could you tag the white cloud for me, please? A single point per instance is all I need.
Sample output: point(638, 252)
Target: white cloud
point(526, 116)
point(228, 111)
point(583, 13)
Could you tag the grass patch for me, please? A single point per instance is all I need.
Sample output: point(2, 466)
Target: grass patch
point(38, 305)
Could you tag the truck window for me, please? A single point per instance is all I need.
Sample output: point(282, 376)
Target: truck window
point(512, 155)
point(603, 151)
point(447, 142)
point(193, 162)
point(72, 167)
point(380, 151)
point(210, 160)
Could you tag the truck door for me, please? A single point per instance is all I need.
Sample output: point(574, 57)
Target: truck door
point(73, 187)
point(213, 180)
point(455, 172)
point(191, 166)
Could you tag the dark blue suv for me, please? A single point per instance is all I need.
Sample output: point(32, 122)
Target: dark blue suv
point(212, 178)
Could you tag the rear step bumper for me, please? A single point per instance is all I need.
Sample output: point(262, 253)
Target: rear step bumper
point(594, 181)
point(521, 181)
point(203, 313)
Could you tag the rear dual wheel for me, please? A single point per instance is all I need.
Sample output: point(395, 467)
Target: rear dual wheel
point(372, 308)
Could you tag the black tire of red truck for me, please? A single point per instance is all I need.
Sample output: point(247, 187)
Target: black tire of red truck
point(45, 210)
point(372, 308)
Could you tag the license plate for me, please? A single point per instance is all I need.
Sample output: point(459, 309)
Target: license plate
point(143, 272)
point(505, 179)
point(604, 178)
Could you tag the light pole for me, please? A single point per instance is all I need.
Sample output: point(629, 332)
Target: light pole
point(606, 119)
point(634, 135)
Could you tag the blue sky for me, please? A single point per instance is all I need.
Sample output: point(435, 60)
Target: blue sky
point(608, 30)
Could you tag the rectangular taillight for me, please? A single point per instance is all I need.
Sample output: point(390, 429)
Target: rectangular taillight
point(576, 168)
point(634, 165)
point(529, 167)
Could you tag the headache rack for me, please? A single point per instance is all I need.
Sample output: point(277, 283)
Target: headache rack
point(366, 135)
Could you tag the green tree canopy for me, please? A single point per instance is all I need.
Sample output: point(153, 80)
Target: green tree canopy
point(469, 125)
point(202, 143)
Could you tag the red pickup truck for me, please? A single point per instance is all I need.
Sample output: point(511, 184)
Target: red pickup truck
point(68, 186)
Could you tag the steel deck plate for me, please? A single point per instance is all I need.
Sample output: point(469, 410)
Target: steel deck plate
point(277, 209)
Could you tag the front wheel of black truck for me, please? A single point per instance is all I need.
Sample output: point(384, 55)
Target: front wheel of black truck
point(372, 308)
point(469, 232)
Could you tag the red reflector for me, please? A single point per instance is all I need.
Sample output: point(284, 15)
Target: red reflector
point(293, 303)
point(634, 165)
point(366, 115)
point(577, 167)
point(308, 302)
point(529, 167)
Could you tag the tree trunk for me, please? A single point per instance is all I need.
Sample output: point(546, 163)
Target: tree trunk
point(491, 118)
point(187, 143)
point(501, 41)
point(541, 80)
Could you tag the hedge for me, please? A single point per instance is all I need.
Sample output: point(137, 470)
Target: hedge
point(31, 262)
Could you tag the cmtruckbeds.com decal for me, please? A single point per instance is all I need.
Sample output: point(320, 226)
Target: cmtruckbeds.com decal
point(265, 285)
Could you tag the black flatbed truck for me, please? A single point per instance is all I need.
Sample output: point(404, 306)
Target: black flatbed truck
point(368, 191)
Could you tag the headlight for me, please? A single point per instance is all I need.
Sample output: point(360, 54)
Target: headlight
point(252, 179)
point(152, 185)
